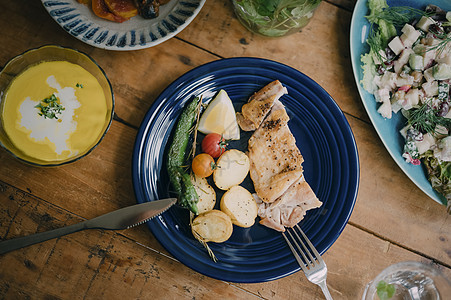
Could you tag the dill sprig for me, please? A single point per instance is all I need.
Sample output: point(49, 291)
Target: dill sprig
point(425, 119)
point(196, 125)
point(49, 107)
point(374, 40)
point(397, 15)
point(445, 39)
point(441, 45)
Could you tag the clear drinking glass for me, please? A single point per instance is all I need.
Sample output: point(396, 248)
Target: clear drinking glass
point(409, 280)
point(275, 18)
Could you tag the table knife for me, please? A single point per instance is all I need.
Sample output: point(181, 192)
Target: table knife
point(123, 218)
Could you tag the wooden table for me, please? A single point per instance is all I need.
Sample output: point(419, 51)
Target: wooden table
point(392, 221)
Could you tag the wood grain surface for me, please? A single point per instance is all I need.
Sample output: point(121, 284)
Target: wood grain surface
point(392, 220)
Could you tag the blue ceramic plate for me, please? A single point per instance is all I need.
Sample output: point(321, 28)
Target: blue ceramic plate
point(323, 135)
point(388, 129)
point(136, 33)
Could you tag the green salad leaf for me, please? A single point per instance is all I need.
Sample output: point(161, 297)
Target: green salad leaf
point(266, 7)
point(376, 7)
point(387, 31)
point(369, 71)
point(385, 290)
point(439, 174)
point(382, 28)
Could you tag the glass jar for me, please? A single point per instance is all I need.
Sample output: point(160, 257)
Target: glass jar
point(408, 280)
point(274, 17)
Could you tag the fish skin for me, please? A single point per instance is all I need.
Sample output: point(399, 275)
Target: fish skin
point(258, 106)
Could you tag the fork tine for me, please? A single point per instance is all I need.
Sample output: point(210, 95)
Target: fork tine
point(304, 248)
point(314, 269)
point(295, 253)
point(317, 256)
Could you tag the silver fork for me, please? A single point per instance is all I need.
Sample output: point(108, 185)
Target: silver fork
point(314, 267)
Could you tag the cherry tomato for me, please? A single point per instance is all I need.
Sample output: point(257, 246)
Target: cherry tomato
point(203, 165)
point(214, 144)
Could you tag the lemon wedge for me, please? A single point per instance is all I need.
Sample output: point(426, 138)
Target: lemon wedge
point(219, 117)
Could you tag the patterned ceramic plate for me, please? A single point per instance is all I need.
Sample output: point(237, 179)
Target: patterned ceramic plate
point(136, 33)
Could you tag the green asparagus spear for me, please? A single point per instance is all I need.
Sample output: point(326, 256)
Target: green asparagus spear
point(180, 180)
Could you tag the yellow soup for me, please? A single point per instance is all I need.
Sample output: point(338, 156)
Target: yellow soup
point(54, 111)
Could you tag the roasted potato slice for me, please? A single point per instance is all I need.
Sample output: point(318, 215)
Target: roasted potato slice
point(212, 226)
point(231, 169)
point(206, 193)
point(239, 204)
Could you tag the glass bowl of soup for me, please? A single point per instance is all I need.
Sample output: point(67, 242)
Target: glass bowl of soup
point(56, 105)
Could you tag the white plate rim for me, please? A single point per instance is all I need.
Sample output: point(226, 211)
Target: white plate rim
point(137, 33)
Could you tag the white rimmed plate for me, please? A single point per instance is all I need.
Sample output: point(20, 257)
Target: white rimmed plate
point(136, 33)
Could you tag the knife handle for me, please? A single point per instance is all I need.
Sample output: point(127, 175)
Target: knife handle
point(20, 242)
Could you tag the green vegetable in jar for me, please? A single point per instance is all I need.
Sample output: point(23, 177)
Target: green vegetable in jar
point(275, 17)
point(385, 290)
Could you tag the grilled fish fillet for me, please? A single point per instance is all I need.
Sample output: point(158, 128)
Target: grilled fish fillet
point(282, 194)
point(275, 160)
point(258, 106)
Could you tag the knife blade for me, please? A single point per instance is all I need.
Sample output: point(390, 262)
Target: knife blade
point(123, 218)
